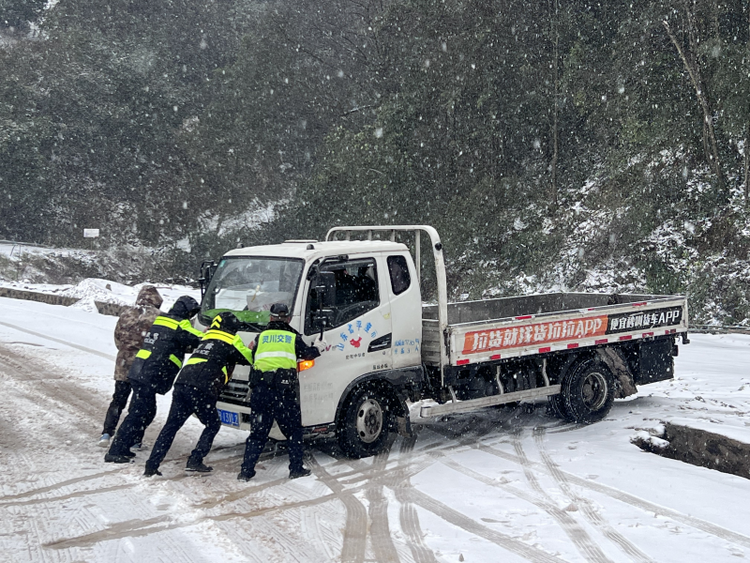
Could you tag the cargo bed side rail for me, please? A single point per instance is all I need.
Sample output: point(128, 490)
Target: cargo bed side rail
point(489, 341)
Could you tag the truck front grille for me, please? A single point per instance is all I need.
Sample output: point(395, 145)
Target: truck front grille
point(235, 391)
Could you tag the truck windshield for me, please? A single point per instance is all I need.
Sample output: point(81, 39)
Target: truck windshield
point(248, 286)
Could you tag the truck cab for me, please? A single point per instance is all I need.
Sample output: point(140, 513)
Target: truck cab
point(363, 298)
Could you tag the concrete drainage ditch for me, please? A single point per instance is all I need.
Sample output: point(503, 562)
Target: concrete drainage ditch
point(698, 447)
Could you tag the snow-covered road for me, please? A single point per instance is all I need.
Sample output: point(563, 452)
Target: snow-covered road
point(504, 484)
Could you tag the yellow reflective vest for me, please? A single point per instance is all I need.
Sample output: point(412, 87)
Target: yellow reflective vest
point(275, 350)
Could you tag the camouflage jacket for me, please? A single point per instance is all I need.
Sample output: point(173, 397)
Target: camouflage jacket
point(132, 327)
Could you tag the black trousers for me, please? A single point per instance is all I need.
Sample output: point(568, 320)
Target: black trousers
point(116, 406)
point(141, 413)
point(187, 400)
point(270, 403)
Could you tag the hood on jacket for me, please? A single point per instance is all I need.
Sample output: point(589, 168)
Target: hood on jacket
point(148, 295)
point(185, 307)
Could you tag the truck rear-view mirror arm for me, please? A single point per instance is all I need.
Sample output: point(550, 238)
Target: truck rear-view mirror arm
point(208, 269)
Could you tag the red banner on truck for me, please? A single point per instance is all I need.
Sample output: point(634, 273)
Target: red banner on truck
point(575, 329)
point(537, 333)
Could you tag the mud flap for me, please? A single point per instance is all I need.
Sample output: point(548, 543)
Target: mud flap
point(404, 426)
point(619, 368)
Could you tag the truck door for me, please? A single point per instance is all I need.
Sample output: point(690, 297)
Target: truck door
point(406, 311)
point(359, 336)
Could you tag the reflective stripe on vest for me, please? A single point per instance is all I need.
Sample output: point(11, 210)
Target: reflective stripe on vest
point(219, 335)
point(275, 351)
point(143, 354)
point(175, 360)
point(185, 325)
point(174, 325)
point(167, 322)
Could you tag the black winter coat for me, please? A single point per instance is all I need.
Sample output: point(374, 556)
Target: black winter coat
point(210, 367)
point(163, 351)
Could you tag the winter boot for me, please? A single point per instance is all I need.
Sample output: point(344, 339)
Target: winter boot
point(150, 472)
point(104, 441)
point(301, 472)
point(109, 458)
point(245, 476)
point(114, 452)
point(198, 466)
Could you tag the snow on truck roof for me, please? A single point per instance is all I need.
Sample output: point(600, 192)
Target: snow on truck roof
point(310, 249)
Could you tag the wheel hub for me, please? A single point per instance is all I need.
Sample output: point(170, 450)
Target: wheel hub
point(594, 391)
point(369, 421)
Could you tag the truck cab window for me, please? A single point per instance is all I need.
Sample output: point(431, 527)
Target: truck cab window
point(356, 292)
point(399, 273)
point(249, 285)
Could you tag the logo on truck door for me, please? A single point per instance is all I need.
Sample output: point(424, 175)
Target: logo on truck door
point(557, 331)
point(354, 338)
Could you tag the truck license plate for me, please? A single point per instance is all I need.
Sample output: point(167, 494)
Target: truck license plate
point(229, 418)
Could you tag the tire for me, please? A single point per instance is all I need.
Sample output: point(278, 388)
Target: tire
point(365, 423)
point(556, 407)
point(588, 392)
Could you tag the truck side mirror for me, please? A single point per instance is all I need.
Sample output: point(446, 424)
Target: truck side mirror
point(325, 288)
point(325, 293)
point(208, 269)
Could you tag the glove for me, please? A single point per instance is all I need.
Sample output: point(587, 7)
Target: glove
point(321, 345)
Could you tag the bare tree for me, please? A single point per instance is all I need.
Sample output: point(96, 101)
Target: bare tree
point(556, 94)
point(690, 58)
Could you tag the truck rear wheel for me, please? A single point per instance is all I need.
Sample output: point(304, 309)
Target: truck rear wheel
point(556, 405)
point(588, 392)
point(365, 423)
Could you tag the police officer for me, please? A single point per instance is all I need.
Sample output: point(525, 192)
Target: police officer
point(153, 371)
point(197, 389)
point(275, 393)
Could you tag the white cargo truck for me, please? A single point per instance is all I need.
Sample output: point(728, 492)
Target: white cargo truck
point(388, 351)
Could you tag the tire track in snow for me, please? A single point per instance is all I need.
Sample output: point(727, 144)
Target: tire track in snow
point(15, 500)
point(587, 507)
point(359, 480)
point(415, 497)
point(570, 527)
point(408, 516)
point(61, 413)
point(33, 381)
point(637, 502)
point(470, 525)
point(580, 538)
point(164, 523)
point(355, 530)
point(454, 517)
point(380, 534)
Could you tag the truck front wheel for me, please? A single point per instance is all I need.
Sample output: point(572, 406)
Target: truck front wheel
point(365, 423)
point(588, 393)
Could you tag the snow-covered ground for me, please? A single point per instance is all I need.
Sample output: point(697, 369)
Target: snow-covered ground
point(502, 484)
